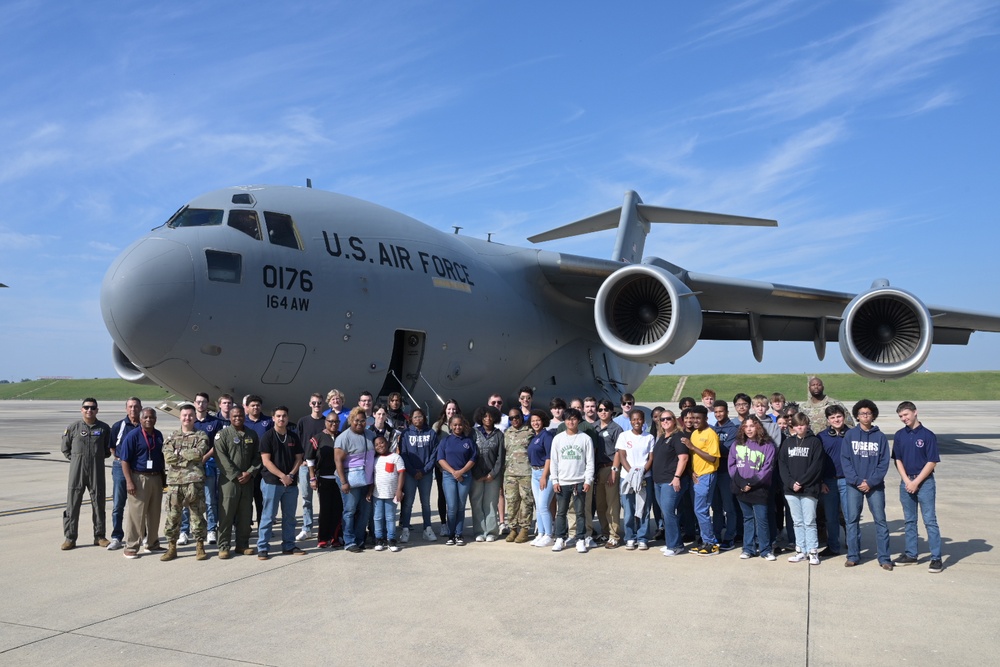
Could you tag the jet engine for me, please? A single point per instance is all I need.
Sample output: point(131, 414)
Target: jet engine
point(644, 313)
point(126, 369)
point(885, 333)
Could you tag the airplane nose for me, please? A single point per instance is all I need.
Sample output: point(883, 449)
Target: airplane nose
point(146, 299)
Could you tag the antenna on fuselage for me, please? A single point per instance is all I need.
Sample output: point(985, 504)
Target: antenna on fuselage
point(309, 182)
point(456, 228)
point(489, 237)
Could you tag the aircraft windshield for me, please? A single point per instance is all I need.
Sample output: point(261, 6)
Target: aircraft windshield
point(196, 217)
point(281, 230)
point(246, 222)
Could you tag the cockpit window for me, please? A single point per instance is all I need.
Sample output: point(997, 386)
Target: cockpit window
point(281, 230)
point(195, 217)
point(246, 222)
point(224, 267)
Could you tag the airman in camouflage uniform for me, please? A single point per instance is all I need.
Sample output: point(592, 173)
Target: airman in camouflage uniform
point(517, 478)
point(183, 452)
point(816, 404)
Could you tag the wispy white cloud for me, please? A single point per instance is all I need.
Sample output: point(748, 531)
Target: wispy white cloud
point(937, 100)
point(747, 18)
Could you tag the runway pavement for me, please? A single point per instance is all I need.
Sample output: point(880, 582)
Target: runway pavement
point(495, 603)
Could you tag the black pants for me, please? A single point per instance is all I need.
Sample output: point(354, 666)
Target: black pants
point(331, 509)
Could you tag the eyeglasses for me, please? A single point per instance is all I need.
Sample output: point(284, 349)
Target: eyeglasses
point(496, 403)
point(627, 403)
point(666, 419)
point(332, 421)
point(603, 410)
point(315, 404)
point(864, 413)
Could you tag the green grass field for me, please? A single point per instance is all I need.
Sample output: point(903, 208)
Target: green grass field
point(980, 386)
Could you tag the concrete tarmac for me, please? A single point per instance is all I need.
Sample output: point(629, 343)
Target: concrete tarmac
point(495, 603)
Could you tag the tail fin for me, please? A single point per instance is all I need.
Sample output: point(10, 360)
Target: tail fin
point(633, 218)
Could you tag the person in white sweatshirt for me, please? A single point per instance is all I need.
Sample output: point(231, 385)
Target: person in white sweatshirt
point(572, 473)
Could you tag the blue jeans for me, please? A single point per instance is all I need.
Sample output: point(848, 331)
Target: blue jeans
point(667, 499)
point(385, 519)
point(637, 527)
point(756, 531)
point(830, 501)
point(924, 499)
point(542, 497)
point(876, 504)
point(211, 501)
point(566, 493)
point(120, 491)
point(412, 486)
point(725, 509)
point(703, 491)
point(803, 509)
point(306, 493)
point(356, 507)
point(456, 494)
point(277, 496)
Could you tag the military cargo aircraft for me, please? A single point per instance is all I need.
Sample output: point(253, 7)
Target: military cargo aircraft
point(284, 291)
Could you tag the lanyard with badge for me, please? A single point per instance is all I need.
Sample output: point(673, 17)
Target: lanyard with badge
point(149, 449)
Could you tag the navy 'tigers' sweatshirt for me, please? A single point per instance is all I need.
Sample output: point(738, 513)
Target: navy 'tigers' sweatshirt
point(865, 456)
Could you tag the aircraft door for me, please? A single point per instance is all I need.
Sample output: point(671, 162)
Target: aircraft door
point(285, 363)
point(407, 358)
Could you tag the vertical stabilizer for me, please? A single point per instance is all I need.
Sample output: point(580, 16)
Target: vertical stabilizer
point(632, 231)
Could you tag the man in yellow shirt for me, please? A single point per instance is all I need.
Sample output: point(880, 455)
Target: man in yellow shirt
point(705, 459)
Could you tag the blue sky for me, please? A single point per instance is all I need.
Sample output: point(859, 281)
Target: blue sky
point(868, 129)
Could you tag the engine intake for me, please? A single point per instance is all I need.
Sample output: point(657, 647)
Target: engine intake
point(645, 313)
point(126, 369)
point(885, 333)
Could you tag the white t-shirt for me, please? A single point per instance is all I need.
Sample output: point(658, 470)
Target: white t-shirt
point(387, 470)
point(636, 448)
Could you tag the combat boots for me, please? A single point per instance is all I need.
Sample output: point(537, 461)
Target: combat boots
point(511, 535)
point(199, 553)
point(522, 536)
point(171, 552)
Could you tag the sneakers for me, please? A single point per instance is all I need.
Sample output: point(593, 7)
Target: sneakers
point(394, 546)
point(746, 555)
point(905, 560)
point(935, 566)
point(581, 547)
point(101, 542)
point(504, 528)
point(813, 558)
point(353, 548)
point(444, 530)
point(429, 535)
point(404, 535)
point(707, 550)
point(643, 546)
point(672, 552)
point(491, 538)
point(726, 545)
point(450, 542)
point(560, 543)
point(797, 557)
point(480, 538)
point(131, 553)
point(67, 545)
point(828, 553)
point(294, 551)
point(262, 555)
point(380, 545)
point(114, 544)
point(459, 540)
point(303, 535)
point(322, 544)
point(630, 545)
point(544, 541)
point(213, 537)
point(611, 544)
point(590, 542)
point(769, 556)
point(183, 538)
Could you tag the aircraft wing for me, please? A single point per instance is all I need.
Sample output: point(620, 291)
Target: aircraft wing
point(757, 311)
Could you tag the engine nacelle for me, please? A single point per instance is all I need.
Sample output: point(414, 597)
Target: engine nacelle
point(885, 333)
point(644, 313)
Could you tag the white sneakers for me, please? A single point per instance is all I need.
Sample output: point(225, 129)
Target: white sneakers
point(581, 546)
point(797, 557)
point(560, 543)
point(429, 534)
point(480, 538)
point(491, 538)
point(669, 552)
point(183, 538)
point(590, 542)
point(769, 556)
point(543, 541)
point(115, 544)
point(404, 535)
point(303, 535)
point(213, 537)
point(813, 558)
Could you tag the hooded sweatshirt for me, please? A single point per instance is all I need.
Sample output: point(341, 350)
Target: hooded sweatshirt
point(752, 463)
point(865, 456)
point(801, 460)
point(418, 447)
point(833, 441)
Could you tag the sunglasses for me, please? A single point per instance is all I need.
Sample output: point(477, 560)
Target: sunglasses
point(666, 419)
point(89, 407)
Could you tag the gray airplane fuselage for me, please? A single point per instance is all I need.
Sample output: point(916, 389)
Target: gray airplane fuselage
point(210, 308)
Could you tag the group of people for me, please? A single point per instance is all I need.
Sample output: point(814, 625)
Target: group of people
point(774, 476)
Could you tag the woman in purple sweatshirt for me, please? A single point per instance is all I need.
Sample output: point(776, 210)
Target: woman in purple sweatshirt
point(751, 463)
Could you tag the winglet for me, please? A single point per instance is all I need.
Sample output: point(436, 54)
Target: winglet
point(633, 219)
